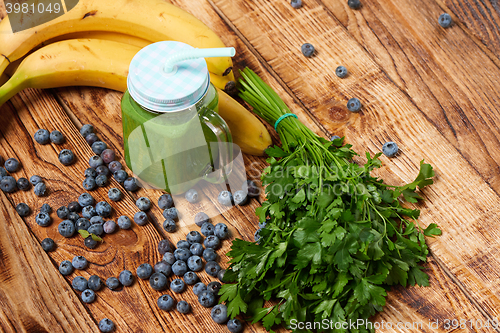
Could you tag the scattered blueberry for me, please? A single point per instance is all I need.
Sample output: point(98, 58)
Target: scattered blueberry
point(296, 3)
point(177, 285)
point(112, 283)
point(42, 219)
point(251, 188)
point(40, 189)
point(35, 180)
point(169, 225)
point(103, 209)
point(191, 278)
point(334, 137)
point(114, 166)
point(11, 165)
point(444, 20)
point(183, 307)
point(354, 105)
point(22, 209)
point(91, 138)
point(207, 299)
point(256, 235)
point(140, 218)
point(307, 49)
point(144, 271)
point(234, 325)
point(23, 184)
point(211, 242)
point(179, 268)
point(198, 288)
point(201, 218)
point(214, 287)
point(90, 172)
point(80, 262)
point(65, 268)
point(106, 325)
point(66, 157)
point(225, 198)
point(195, 263)
point(163, 267)
point(96, 220)
point(88, 212)
point(96, 229)
point(74, 206)
point(73, 216)
point(62, 212)
point(196, 249)
point(108, 156)
point(124, 222)
point(85, 199)
point(131, 184)
point(79, 283)
point(354, 4)
point(95, 161)
point(158, 281)
point(390, 149)
point(101, 180)
point(98, 147)
point(89, 184)
point(183, 244)
point(126, 278)
point(46, 208)
point(165, 246)
point(56, 137)
point(8, 184)
point(102, 170)
point(220, 275)
point(219, 314)
point(95, 282)
point(212, 268)
point(48, 244)
point(90, 242)
point(221, 231)
point(341, 72)
point(169, 258)
point(109, 227)
point(182, 254)
point(209, 255)
point(240, 197)
point(171, 213)
point(165, 201)
point(88, 296)
point(120, 176)
point(166, 302)
point(207, 229)
point(42, 136)
point(66, 228)
point(82, 224)
point(3, 172)
point(143, 203)
point(86, 130)
point(191, 196)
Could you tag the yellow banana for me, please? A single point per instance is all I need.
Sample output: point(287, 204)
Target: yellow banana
point(153, 20)
point(102, 63)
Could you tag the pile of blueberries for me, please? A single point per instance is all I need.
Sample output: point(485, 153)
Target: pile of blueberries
point(8, 184)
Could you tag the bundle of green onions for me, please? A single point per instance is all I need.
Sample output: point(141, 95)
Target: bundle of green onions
point(335, 238)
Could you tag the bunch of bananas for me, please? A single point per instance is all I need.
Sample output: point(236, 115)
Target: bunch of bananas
point(94, 43)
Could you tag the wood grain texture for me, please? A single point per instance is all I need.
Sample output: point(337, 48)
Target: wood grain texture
point(460, 201)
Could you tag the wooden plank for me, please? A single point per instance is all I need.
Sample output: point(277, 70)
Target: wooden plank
point(460, 201)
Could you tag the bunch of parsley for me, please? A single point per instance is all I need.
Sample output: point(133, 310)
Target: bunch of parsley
point(336, 238)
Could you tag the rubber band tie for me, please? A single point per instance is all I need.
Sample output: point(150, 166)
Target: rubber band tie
point(283, 117)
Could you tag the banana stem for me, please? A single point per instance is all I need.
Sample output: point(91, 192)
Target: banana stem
point(10, 88)
point(3, 64)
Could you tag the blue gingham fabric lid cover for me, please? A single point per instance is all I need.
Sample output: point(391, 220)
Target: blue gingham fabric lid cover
point(153, 89)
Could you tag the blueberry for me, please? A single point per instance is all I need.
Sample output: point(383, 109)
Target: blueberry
point(80, 262)
point(183, 244)
point(192, 196)
point(62, 212)
point(165, 246)
point(211, 242)
point(296, 3)
point(182, 254)
point(177, 286)
point(354, 4)
point(198, 288)
point(42, 136)
point(240, 197)
point(90, 242)
point(109, 227)
point(193, 237)
point(8, 184)
point(112, 283)
point(89, 184)
point(165, 302)
point(79, 283)
point(220, 276)
point(106, 325)
point(165, 201)
point(225, 198)
point(206, 299)
point(96, 220)
point(212, 268)
point(98, 147)
point(126, 278)
point(40, 189)
point(66, 228)
point(195, 263)
point(140, 218)
point(219, 314)
point(163, 267)
point(120, 176)
point(23, 184)
point(101, 180)
point(201, 218)
point(390, 149)
point(95, 161)
point(144, 271)
point(256, 236)
point(35, 180)
point(74, 206)
point(23, 209)
point(102, 170)
point(214, 287)
point(66, 268)
point(91, 138)
point(131, 184)
point(11, 165)
point(191, 278)
point(114, 166)
point(171, 213)
point(86, 130)
point(43, 220)
point(95, 282)
point(169, 225)
point(334, 137)
point(179, 268)
point(103, 209)
point(354, 105)
point(108, 156)
point(234, 325)
point(169, 258)
point(66, 157)
point(263, 224)
point(88, 212)
point(221, 231)
point(196, 249)
point(88, 296)
point(3, 172)
point(143, 203)
point(207, 229)
point(251, 188)
point(307, 49)
point(48, 245)
point(158, 281)
point(82, 224)
point(209, 255)
point(444, 20)
point(124, 222)
point(96, 229)
point(85, 199)
point(73, 217)
point(56, 137)
point(183, 307)
point(341, 72)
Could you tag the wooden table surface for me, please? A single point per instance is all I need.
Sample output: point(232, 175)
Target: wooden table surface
point(433, 91)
